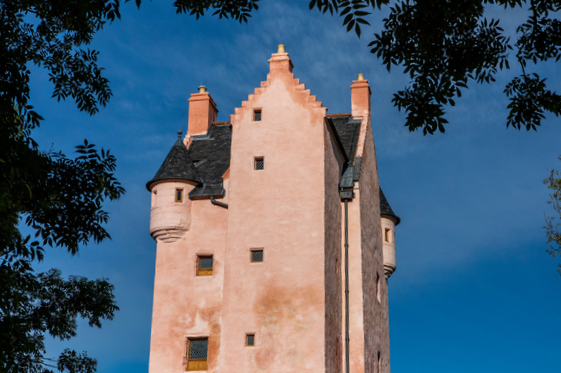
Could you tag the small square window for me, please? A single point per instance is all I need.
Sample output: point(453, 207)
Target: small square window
point(259, 163)
point(197, 354)
point(256, 256)
point(257, 115)
point(179, 195)
point(204, 266)
point(250, 340)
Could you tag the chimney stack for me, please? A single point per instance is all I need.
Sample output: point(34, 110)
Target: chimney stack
point(360, 98)
point(202, 112)
point(280, 62)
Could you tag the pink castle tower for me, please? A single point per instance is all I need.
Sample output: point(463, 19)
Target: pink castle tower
point(274, 240)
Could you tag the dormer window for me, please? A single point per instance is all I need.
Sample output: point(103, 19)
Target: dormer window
point(257, 115)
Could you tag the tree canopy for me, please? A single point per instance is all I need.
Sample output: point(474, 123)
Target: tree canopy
point(59, 198)
point(445, 45)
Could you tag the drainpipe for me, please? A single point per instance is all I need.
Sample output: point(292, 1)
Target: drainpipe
point(346, 193)
point(217, 203)
point(346, 287)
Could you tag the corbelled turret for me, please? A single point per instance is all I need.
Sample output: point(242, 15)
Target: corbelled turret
point(170, 216)
point(389, 221)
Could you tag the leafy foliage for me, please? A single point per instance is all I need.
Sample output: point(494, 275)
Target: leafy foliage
point(553, 230)
point(58, 197)
point(444, 45)
point(236, 9)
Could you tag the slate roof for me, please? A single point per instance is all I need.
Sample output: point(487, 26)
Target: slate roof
point(385, 208)
point(210, 154)
point(176, 166)
point(347, 130)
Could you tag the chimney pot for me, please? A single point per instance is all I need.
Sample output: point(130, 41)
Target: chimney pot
point(281, 48)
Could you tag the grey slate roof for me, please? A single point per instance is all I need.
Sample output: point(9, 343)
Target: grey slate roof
point(211, 156)
point(385, 208)
point(348, 130)
point(176, 166)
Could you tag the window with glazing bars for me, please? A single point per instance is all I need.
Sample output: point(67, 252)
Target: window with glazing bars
point(259, 163)
point(257, 115)
point(250, 340)
point(204, 266)
point(256, 256)
point(197, 354)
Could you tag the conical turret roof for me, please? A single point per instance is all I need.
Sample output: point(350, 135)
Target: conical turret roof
point(385, 208)
point(177, 166)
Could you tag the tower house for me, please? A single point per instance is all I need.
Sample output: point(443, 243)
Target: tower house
point(273, 259)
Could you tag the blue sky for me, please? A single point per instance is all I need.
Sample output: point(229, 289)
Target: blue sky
point(474, 289)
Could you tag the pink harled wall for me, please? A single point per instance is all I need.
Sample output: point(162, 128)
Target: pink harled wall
point(186, 305)
point(280, 209)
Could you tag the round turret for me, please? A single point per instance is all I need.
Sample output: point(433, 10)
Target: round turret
point(389, 222)
point(170, 215)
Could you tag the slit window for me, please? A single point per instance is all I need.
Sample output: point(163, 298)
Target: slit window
point(204, 266)
point(250, 340)
point(257, 115)
point(379, 363)
point(259, 163)
point(154, 198)
point(388, 235)
point(378, 290)
point(256, 256)
point(197, 354)
point(179, 195)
